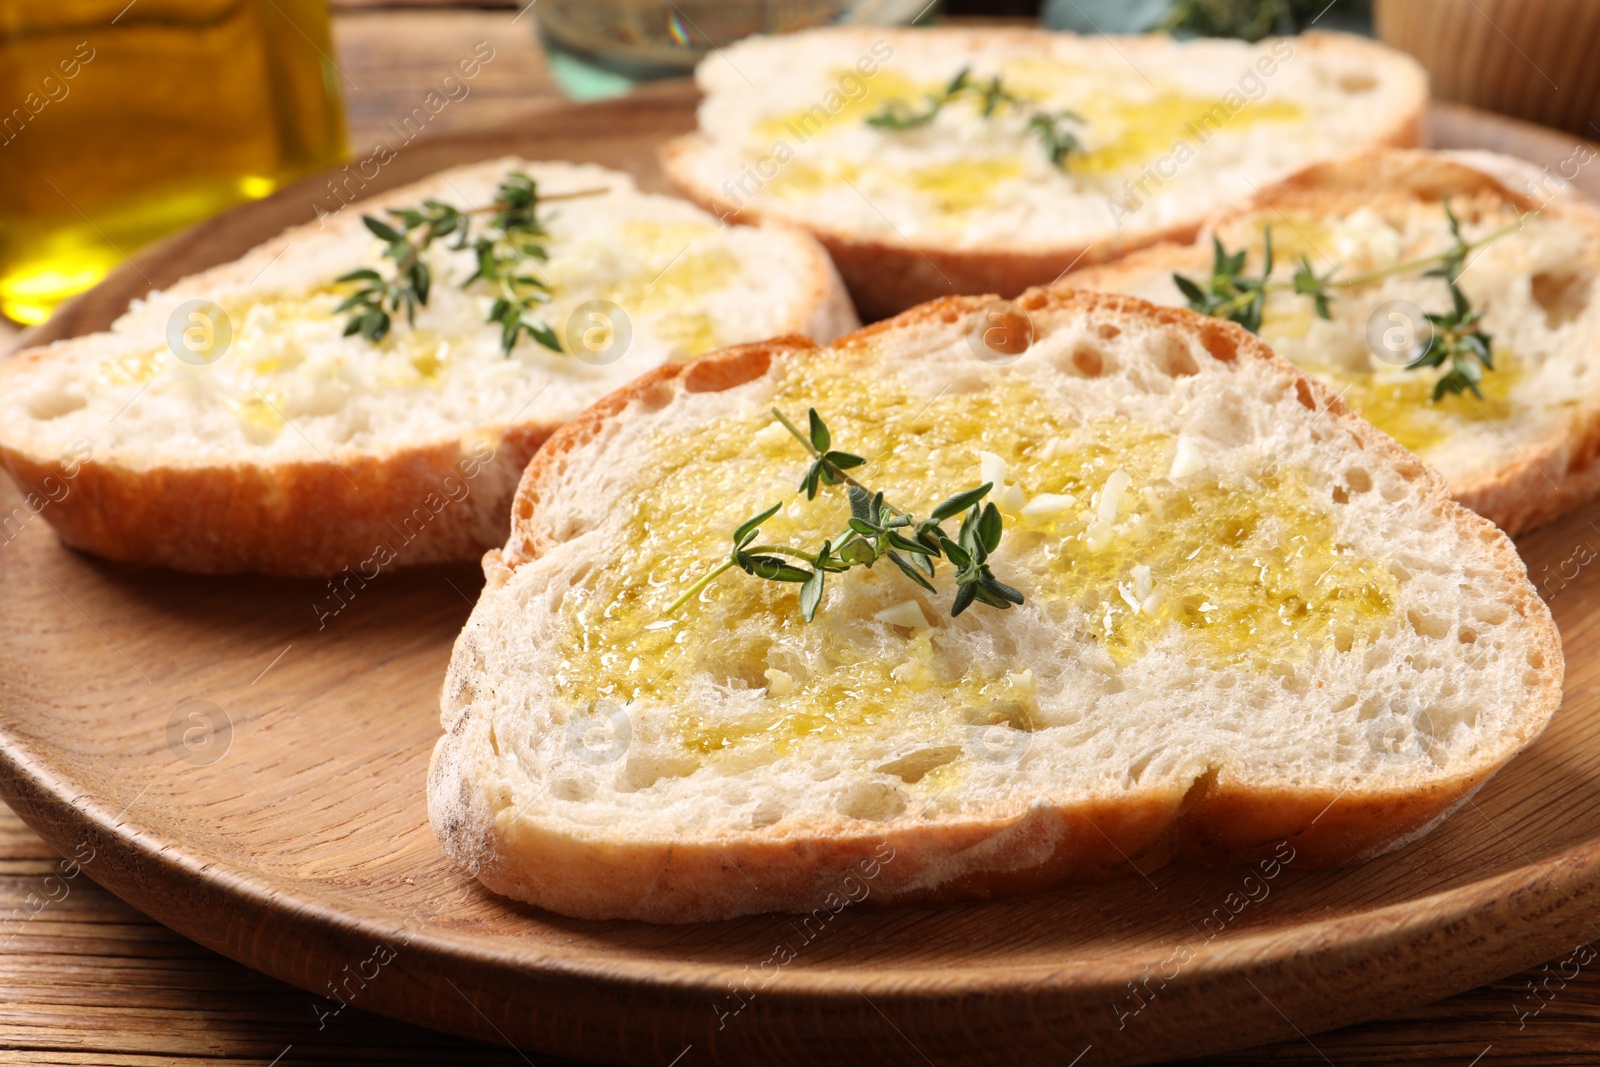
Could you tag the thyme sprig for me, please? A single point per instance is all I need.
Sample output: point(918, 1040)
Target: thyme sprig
point(1457, 338)
point(1050, 127)
point(876, 530)
point(1229, 293)
point(1457, 334)
point(512, 236)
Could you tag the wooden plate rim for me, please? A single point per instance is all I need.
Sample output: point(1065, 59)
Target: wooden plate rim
point(26, 780)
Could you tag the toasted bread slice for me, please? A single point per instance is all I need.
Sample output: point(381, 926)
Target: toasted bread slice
point(1170, 132)
point(1524, 452)
point(1249, 617)
point(1539, 183)
point(297, 450)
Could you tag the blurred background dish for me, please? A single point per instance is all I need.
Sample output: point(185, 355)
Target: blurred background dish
point(1249, 20)
point(126, 121)
point(602, 48)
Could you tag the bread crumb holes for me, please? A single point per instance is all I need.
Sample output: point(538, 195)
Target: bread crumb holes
point(873, 802)
point(1562, 295)
point(1087, 360)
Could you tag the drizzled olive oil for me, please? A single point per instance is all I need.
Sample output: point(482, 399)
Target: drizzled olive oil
point(959, 187)
point(798, 127)
point(132, 368)
point(801, 179)
point(1251, 570)
point(1122, 135)
point(122, 122)
point(692, 271)
point(1401, 404)
point(1119, 135)
point(1245, 570)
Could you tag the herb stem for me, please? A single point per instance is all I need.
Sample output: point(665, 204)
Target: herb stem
point(695, 589)
point(430, 229)
point(837, 473)
point(1050, 127)
point(782, 550)
point(1242, 300)
point(1409, 265)
point(499, 205)
point(416, 245)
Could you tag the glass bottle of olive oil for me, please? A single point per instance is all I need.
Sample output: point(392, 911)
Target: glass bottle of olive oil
point(121, 122)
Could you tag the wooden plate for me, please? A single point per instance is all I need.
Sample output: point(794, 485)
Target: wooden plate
point(208, 753)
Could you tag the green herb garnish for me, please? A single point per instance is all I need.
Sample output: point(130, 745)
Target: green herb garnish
point(876, 530)
point(513, 235)
point(1228, 293)
point(1457, 338)
point(1457, 335)
point(1249, 20)
point(991, 96)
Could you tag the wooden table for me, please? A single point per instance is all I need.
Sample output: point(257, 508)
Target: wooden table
point(91, 981)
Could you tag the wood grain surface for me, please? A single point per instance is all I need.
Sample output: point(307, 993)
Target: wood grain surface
point(307, 791)
point(1533, 59)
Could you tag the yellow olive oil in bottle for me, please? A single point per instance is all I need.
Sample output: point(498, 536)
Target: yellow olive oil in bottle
point(121, 122)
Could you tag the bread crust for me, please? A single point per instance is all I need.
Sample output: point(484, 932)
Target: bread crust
point(1035, 847)
point(886, 276)
point(316, 517)
point(1549, 477)
point(307, 518)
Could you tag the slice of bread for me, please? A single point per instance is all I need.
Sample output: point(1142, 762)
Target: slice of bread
point(1249, 617)
point(1525, 452)
point(1171, 132)
point(297, 450)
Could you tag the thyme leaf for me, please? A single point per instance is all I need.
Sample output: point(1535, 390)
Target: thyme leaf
point(1458, 338)
point(511, 238)
point(875, 530)
point(991, 96)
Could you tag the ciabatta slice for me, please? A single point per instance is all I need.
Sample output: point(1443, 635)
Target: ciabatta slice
point(1172, 132)
point(1523, 453)
point(298, 450)
point(1249, 617)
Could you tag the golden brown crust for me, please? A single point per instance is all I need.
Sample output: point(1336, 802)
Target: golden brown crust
point(722, 369)
point(1536, 489)
point(429, 504)
point(1424, 175)
point(433, 502)
point(886, 276)
point(1548, 478)
point(1036, 847)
